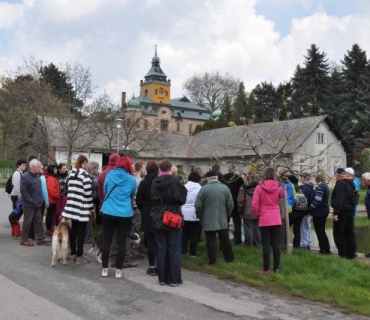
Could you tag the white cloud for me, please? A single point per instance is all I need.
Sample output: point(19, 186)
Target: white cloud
point(116, 38)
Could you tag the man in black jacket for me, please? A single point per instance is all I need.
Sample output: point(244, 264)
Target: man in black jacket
point(343, 215)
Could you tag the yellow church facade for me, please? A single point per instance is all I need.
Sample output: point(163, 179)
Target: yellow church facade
point(154, 110)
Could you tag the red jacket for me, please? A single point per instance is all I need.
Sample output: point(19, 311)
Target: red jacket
point(52, 184)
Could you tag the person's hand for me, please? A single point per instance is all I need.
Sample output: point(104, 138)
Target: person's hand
point(47, 206)
point(335, 217)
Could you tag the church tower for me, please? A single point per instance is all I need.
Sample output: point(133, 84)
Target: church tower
point(156, 86)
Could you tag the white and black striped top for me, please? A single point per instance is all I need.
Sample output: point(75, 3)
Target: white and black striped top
point(79, 197)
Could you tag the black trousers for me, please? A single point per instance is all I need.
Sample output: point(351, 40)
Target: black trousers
point(77, 237)
point(49, 215)
point(121, 226)
point(151, 247)
point(319, 225)
point(270, 238)
point(190, 233)
point(344, 234)
point(225, 244)
point(237, 222)
point(295, 220)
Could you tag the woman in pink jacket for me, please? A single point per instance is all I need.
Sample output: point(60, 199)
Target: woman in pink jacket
point(265, 204)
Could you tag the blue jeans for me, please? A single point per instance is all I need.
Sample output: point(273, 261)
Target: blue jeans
point(169, 255)
point(306, 231)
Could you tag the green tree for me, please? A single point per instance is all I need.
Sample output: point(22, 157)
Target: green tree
point(241, 112)
point(355, 102)
point(266, 102)
point(311, 85)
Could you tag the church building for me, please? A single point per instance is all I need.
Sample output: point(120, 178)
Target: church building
point(154, 110)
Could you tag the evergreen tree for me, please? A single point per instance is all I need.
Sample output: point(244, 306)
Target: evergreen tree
point(355, 104)
point(266, 102)
point(241, 113)
point(226, 110)
point(311, 85)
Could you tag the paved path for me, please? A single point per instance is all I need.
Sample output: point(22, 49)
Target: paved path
point(31, 289)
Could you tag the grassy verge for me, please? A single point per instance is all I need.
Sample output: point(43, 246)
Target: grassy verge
point(330, 279)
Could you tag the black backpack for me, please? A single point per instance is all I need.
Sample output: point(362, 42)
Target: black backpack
point(9, 185)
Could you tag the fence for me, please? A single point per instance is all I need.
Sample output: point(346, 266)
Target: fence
point(5, 173)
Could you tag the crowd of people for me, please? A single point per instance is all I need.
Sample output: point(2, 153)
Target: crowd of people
point(130, 200)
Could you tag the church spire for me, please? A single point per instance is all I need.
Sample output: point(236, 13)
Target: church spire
point(155, 59)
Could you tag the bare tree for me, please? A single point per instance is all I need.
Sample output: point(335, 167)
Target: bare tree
point(210, 90)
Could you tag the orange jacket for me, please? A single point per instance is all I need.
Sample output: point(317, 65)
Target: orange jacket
point(52, 185)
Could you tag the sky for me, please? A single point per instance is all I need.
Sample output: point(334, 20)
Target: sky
point(252, 40)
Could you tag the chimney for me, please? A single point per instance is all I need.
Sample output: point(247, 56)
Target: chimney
point(123, 100)
point(250, 122)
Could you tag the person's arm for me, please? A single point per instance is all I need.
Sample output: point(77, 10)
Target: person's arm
point(140, 195)
point(199, 205)
point(44, 191)
point(256, 201)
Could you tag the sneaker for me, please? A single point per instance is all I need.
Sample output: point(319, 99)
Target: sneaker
point(162, 283)
point(82, 260)
point(151, 271)
point(175, 284)
point(104, 272)
point(262, 271)
point(277, 270)
point(119, 273)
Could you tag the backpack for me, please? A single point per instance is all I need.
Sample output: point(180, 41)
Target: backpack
point(9, 185)
point(301, 203)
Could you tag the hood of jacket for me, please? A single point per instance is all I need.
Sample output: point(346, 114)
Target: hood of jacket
point(162, 183)
point(113, 159)
point(270, 186)
point(249, 188)
point(308, 186)
point(192, 186)
point(119, 176)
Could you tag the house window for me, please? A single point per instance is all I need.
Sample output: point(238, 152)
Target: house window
point(319, 165)
point(146, 124)
point(128, 121)
point(164, 125)
point(320, 138)
point(190, 129)
point(178, 125)
point(146, 92)
point(156, 91)
point(303, 164)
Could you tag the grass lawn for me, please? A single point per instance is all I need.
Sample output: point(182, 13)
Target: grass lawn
point(330, 279)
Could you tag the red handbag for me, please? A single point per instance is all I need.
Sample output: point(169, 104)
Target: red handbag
point(172, 220)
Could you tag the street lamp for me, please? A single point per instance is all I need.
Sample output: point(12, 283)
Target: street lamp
point(119, 123)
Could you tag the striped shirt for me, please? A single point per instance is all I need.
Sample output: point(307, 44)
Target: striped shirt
point(79, 197)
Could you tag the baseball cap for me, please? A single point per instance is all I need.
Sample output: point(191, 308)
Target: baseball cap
point(340, 171)
point(350, 171)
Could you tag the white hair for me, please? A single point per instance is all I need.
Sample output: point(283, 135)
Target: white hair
point(34, 163)
point(366, 176)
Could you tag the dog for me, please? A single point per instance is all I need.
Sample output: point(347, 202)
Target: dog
point(60, 243)
point(98, 243)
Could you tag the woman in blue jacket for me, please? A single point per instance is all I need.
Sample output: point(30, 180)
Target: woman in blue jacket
point(119, 189)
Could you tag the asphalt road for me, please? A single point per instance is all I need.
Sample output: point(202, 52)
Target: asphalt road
point(31, 289)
